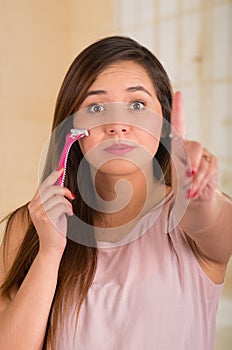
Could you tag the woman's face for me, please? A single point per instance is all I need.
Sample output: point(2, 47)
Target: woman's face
point(123, 117)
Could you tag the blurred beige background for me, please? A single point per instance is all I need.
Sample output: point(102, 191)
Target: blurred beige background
point(39, 40)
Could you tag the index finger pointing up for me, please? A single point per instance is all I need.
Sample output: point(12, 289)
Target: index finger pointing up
point(177, 118)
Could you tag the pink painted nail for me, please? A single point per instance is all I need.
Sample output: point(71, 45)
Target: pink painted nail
point(190, 172)
point(73, 195)
point(194, 194)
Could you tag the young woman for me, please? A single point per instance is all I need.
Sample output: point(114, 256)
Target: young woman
point(122, 255)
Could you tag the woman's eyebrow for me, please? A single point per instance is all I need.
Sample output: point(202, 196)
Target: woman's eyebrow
point(129, 89)
point(138, 88)
point(96, 92)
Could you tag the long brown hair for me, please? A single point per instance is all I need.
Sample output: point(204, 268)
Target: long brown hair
point(78, 264)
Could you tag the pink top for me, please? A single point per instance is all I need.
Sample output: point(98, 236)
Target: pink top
point(150, 294)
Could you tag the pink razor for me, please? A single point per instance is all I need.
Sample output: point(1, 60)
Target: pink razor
point(74, 135)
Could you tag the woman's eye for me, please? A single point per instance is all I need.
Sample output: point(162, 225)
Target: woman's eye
point(137, 105)
point(96, 108)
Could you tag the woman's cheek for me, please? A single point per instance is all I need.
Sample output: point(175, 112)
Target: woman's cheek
point(150, 143)
point(85, 146)
point(89, 142)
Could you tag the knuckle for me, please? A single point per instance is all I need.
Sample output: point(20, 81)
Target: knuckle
point(193, 146)
point(45, 219)
point(66, 206)
point(29, 206)
point(197, 145)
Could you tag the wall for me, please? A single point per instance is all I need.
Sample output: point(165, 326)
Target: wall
point(39, 41)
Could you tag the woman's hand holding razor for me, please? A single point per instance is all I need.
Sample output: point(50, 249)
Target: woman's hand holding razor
point(48, 210)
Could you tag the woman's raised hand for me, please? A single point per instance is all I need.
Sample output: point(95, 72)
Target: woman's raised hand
point(196, 168)
point(48, 210)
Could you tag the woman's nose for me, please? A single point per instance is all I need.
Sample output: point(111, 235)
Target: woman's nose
point(117, 129)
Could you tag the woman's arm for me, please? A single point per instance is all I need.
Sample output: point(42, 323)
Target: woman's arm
point(209, 224)
point(23, 320)
point(208, 216)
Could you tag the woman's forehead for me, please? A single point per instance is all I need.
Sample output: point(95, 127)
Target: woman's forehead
point(123, 72)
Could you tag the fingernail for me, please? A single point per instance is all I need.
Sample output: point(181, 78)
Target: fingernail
point(190, 172)
point(194, 194)
point(73, 195)
point(59, 168)
point(191, 194)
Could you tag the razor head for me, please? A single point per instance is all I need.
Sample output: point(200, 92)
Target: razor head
point(79, 132)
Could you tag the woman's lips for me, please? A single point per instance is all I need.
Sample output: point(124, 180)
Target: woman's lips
point(119, 149)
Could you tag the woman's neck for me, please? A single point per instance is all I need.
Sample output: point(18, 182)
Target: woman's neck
point(123, 199)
